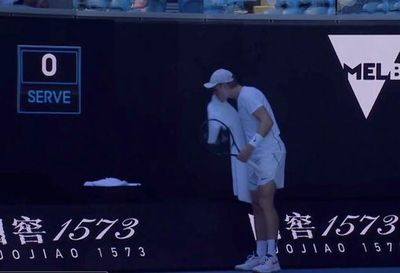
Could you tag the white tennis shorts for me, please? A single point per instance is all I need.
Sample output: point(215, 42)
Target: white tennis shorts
point(271, 168)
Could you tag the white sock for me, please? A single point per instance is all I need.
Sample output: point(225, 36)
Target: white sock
point(261, 248)
point(271, 247)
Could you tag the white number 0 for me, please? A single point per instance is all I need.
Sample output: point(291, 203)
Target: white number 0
point(53, 60)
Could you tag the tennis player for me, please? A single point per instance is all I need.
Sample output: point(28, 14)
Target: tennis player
point(264, 147)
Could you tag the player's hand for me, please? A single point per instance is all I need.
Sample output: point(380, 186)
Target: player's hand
point(245, 153)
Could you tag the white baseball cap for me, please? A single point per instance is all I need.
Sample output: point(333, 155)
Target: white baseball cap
point(219, 76)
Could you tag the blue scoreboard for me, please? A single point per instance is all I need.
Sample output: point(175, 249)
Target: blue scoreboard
point(49, 79)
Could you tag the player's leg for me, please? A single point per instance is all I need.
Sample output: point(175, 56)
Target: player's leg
point(259, 217)
point(266, 192)
point(256, 258)
point(266, 188)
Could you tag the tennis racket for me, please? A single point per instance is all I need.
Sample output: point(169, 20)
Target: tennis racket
point(217, 138)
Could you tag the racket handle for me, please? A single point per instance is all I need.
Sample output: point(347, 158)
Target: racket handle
point(254, 165)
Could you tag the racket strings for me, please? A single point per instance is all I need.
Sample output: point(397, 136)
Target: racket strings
point(217, 138)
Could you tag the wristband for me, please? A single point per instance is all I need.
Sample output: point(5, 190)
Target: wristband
point(255, 140)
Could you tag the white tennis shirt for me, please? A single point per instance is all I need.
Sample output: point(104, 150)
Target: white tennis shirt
point(249, 100)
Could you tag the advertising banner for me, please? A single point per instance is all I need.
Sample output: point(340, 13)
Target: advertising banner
point(102, 165)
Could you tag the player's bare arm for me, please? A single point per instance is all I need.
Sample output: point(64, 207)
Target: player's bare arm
point(265, 121)
point(265, 125)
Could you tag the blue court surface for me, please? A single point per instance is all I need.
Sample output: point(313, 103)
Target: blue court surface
point(325, 270)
